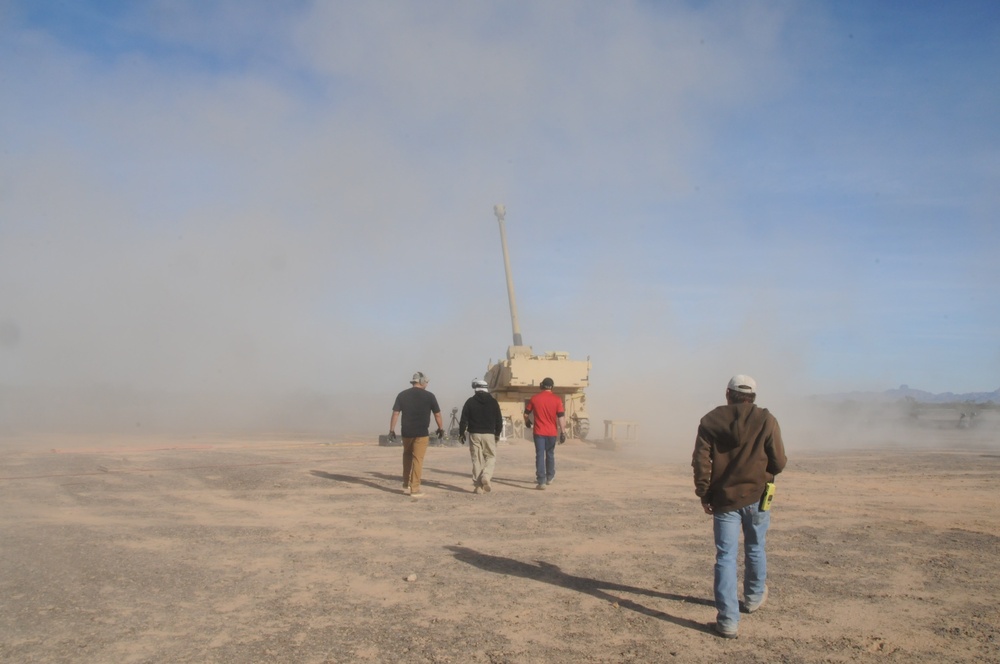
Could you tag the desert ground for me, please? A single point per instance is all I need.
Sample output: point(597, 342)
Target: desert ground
point(210, 549)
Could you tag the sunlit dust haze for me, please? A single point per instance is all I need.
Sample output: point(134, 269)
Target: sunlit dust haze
point(249, 216)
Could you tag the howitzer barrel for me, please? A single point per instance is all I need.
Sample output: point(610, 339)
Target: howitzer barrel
point(500, 211)
point(514, 380)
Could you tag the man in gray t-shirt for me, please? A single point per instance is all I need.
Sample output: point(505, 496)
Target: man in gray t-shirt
point(416, 406)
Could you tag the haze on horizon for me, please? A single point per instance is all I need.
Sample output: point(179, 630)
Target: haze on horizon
point(259, 215)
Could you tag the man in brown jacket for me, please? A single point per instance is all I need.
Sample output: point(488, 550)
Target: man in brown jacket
point(737, 452)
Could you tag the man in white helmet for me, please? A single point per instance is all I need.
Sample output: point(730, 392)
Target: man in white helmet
point(737, 452)
point(482, 419)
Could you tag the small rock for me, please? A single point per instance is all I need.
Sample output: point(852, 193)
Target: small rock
point(411, 578)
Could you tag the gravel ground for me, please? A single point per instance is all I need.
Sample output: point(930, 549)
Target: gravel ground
point(305, 551)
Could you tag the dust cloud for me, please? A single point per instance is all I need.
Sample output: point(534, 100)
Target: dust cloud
point(271, 231)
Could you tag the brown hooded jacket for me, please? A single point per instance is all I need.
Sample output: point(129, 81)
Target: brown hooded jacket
point(738, 450)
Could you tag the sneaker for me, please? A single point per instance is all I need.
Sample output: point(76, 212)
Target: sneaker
point(550, 481)
point(750, 608)
point(725, 633)
point(540, 487)
point(486, 486)
point(418, 494)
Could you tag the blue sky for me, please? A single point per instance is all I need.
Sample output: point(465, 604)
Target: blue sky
point(297, 197)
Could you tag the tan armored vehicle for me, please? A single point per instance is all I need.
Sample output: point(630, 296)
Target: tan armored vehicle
point(516, 379)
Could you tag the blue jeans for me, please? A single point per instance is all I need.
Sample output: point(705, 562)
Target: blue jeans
point(727, 527)
point(545, 458)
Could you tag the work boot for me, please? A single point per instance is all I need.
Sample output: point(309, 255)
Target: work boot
point(756, 606)
point(730, 633)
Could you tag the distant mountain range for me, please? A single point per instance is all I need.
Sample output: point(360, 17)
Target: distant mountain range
point(904, 391)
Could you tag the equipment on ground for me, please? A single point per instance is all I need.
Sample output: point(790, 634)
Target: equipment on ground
point(453, 424)
point(516, 379)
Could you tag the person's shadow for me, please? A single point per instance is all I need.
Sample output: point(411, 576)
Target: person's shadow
point(549, 573)
point(350, 479)
point(517, 484)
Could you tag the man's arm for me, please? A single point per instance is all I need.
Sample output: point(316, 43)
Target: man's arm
point(701, 462)
point(436, 409)
point(463, 422)
point(498, 420)
point(393, 420)
point(775, 449)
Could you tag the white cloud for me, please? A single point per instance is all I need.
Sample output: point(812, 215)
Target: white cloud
point(236, 198)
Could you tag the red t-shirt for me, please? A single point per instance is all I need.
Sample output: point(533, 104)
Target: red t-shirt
point(547, 407)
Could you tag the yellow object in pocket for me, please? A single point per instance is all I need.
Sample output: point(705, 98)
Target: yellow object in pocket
point(767, 497)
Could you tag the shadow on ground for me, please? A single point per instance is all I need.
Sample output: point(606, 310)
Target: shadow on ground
point(506, 481)
point(549, 573)
point(351, 479)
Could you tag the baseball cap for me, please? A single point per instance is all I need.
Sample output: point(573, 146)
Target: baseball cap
point(420, 377)
point(743, 383)
point(547, 383)
point(480, 385)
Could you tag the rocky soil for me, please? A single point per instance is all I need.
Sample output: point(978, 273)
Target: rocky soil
point(213, 550)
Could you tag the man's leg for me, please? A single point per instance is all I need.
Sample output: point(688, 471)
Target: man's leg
point(727, 538)
point(407, 461)
point(419, 450)
point(755, 525)
point(489, 446)
point(550, 458)
point(476, 452)
point(539, 460)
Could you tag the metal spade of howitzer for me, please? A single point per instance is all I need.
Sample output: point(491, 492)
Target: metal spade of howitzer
point(516, 379)
point(453, 424)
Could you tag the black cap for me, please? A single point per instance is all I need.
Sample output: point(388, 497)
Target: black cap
point(548, 383)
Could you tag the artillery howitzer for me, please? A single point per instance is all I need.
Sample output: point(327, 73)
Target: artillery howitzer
point(514, 380)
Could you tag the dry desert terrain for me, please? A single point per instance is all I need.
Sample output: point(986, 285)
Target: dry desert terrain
point(269, 550)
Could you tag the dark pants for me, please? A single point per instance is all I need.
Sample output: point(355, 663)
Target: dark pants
point(545, 458)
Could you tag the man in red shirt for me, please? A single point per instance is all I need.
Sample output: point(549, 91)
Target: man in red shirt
point(549, 415)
